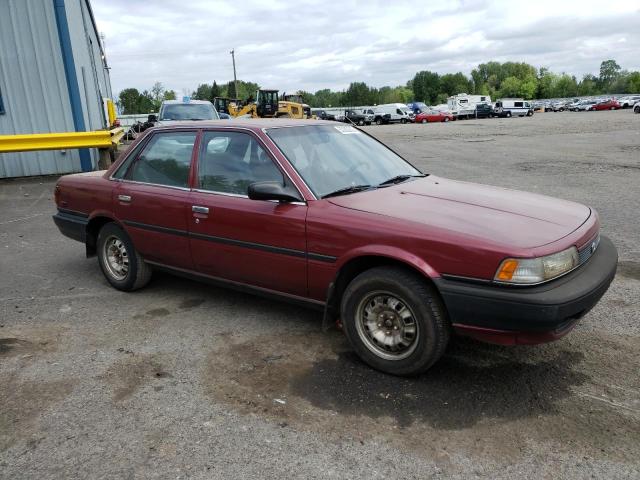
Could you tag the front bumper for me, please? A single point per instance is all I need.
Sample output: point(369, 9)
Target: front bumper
point(529, 315)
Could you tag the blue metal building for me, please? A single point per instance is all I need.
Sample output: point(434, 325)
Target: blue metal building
point(53, 78)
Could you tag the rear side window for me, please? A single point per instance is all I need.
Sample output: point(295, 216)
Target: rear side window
point(165, 160)
point(517, 104)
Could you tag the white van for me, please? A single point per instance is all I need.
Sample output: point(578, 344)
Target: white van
point(509, 107)
point(392, 112)
point(463, 105)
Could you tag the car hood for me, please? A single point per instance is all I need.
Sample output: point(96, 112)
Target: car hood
point(489, 214)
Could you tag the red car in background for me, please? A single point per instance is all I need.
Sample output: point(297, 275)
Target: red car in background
point(606, 105)
point(433, 116)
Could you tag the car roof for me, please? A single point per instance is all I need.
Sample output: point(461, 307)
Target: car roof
point(174, 102)
point(252, 123)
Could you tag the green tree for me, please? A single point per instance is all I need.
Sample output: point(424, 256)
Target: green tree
point(565, 86)
point(129, 101)
point(425, 86)
point(510, 87)
point(157, 94)
point(634, 82)
point(203, 92)
point(216, 91)
point(147, 104)
point(609, 71)
point(546, 83)
point(588, 85)
point(455, 83)
point(358, 93)
point(169, 95)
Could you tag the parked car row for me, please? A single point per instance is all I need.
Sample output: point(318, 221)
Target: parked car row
point(586, 104)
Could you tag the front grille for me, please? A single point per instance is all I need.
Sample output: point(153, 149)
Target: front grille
point(588, 250)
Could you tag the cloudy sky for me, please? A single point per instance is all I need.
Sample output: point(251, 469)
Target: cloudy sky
point(308, 44)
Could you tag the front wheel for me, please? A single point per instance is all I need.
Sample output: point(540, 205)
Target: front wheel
point(379, 121)
point(123, 267)
point(446, 119)
point(395, 320)
point(508, 114)
point(424, 120)
point(636, 110)
point(404, 120)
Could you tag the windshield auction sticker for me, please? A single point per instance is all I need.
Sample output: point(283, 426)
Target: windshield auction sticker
point(346, 129)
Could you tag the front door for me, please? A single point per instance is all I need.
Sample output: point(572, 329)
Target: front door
point(152, 201)
point(254, 242)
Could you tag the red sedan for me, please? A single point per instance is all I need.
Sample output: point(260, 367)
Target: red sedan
point(433, 116)
point(607, 105)
point(326, 215)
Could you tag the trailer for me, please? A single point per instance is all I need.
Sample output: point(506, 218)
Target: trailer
point(463, 105)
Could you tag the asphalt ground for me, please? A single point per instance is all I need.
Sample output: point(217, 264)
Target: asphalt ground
point(185, 380)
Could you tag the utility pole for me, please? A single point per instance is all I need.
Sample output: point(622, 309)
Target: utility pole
point(235, 80)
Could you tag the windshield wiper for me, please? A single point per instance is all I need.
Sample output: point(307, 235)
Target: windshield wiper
point(347, 190)
point(398, 179)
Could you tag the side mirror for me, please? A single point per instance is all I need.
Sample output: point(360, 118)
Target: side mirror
point(272, 191)
point(152, 118)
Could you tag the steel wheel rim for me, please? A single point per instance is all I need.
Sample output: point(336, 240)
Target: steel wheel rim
point(115, 258)
point(387, 326)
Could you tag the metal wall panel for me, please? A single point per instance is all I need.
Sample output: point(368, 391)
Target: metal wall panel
point(34, 84)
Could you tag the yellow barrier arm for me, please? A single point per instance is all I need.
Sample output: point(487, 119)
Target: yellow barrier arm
point(60, 141)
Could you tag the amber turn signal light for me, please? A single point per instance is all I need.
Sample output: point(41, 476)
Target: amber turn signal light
point(507, 269)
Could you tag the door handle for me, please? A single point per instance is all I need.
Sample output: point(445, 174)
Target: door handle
point(124, 198)
point(199, 209)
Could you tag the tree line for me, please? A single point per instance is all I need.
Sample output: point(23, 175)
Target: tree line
point(508, 79)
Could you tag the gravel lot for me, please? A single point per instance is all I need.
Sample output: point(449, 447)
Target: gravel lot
point(184, 380)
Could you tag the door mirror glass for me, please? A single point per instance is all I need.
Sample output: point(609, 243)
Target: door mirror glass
point(272, 191)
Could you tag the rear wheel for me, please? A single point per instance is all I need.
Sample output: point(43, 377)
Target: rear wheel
point(445, 119)
point(394, 320)
point(424, 120)
point(360, 122)
point(123, 267)
point(636, 109)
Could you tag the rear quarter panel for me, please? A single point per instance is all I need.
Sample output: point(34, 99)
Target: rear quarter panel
point(87, 193)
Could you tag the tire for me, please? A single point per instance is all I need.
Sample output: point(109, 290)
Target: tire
point(113, 239)
point(378, 121)
point(529, 114)
point(427, 332)
point(446, 119)
point(508, 114)
point(360, 123)
point(636, 110)
point(403, 120)
point(612, 108)
point(424, 120)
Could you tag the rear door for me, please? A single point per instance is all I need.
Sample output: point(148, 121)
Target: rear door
point(255, 242)
point(152, 200)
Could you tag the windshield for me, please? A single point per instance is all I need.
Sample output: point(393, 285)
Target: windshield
point(189, 111)
point(330, 158)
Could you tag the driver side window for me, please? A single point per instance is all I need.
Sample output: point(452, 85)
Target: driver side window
point(229, 162)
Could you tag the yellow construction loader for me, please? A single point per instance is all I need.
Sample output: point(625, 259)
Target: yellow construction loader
point(267, 105)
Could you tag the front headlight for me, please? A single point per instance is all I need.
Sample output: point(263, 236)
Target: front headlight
point(536, 270)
